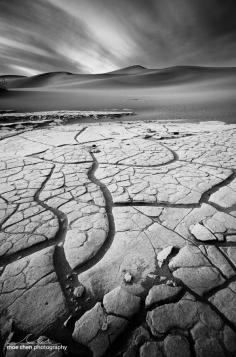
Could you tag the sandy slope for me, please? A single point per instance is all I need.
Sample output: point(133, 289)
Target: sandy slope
point(171, 93)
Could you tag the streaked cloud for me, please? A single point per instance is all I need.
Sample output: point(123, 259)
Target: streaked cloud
point(101, 35)
point(24, 71)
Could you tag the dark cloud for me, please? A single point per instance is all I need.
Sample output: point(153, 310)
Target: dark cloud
point(101, 35)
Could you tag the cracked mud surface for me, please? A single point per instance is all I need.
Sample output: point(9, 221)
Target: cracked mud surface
point(119, 239)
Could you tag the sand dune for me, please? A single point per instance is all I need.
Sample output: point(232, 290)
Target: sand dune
point(171, 93)
point(10, 79)
point(136, 69)
point(130, 76)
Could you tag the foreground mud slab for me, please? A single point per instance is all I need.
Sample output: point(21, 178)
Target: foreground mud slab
point(119, 239)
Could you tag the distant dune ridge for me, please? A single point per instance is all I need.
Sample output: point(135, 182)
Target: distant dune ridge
point(129, 76)
point(176, 92)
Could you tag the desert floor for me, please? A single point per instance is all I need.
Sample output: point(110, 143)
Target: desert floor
point(119, 238)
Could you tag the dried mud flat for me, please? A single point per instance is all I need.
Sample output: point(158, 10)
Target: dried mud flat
point(119, 239)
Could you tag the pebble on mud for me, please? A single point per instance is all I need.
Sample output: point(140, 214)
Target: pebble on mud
point(78, 291)
point(128, 278)
point(170, 283)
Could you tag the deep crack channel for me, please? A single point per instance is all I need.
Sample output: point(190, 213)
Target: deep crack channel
point(111, 224)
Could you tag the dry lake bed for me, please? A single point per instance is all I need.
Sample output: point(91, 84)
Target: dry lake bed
point(119, 238)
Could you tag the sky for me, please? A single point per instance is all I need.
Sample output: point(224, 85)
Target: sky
point(97, 36)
